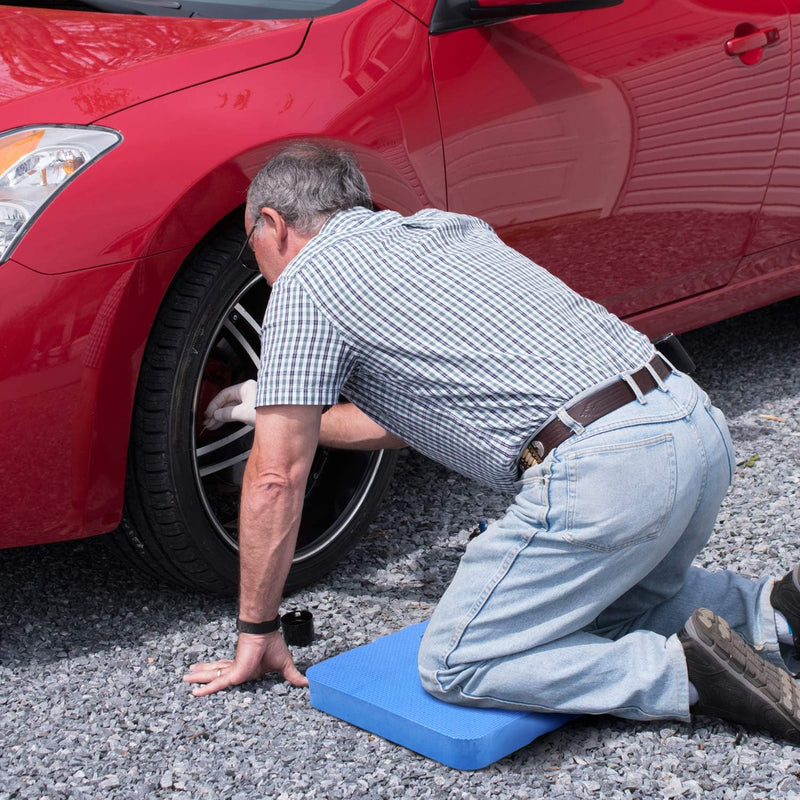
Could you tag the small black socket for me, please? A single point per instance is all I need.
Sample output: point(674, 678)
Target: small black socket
point(298, 627)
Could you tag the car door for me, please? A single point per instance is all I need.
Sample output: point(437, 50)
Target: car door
point(775, 246)
point(623, 148)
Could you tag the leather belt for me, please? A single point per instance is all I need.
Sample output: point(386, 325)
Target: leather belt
point(589, 409)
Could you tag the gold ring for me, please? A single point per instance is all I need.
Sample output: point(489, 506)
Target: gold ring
point(219, 672)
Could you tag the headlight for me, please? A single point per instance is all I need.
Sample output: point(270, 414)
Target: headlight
point(35, 163)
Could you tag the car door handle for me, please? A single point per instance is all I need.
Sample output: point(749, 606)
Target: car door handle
point(752, 41)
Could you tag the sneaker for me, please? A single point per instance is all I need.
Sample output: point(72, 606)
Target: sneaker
point(785, 598)
point(734, 682)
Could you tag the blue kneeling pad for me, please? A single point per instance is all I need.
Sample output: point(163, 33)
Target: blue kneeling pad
point(377, 687)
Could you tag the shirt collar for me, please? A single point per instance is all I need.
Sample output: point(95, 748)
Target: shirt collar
point(338, 226)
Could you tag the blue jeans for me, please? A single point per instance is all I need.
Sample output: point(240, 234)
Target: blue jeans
point(571, 602)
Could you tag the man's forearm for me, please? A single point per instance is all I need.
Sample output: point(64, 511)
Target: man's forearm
point(268, 524)
point(346, 427)
point(273, 491)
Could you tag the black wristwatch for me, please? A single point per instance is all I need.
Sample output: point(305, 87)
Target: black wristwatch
point(258, 628)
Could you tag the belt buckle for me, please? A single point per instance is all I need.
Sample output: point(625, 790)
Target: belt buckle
point(532, 454)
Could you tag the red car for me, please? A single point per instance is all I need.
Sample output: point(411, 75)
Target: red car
point(645, 151)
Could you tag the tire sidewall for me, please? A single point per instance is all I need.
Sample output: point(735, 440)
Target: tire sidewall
point(218, 554)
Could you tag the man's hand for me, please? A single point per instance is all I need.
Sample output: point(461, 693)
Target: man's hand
point(255, 657)
point(236, 403)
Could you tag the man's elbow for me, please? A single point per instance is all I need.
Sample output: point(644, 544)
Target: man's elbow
point(265, 491)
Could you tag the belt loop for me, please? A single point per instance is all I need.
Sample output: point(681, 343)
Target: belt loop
point(634, 388)
point(571, 423)
point(655, 376)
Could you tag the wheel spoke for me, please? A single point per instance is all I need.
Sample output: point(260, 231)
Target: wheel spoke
point(223, 453)
point(220, 465)
point(248, 323)
point(238, 325)
point(213, 446)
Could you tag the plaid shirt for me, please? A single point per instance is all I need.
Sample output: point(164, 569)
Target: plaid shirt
point(439, 332)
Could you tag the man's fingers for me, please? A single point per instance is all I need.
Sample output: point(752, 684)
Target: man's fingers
point(233, 404)
point(207, 666)
point(229, 396)
point(222, 415)
point(223, 682)
point(216, 675)
point(202, 676)
point(294, 676)
point(212, 675)
point(237, 413)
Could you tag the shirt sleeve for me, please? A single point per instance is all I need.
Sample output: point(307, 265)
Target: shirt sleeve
point(304, 360)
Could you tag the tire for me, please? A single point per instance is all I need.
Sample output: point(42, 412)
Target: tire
point(180, 518)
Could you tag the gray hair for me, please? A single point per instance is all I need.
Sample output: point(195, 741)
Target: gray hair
point(306, 183)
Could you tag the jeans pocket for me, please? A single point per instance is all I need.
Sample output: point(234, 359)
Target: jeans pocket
point(620, 494)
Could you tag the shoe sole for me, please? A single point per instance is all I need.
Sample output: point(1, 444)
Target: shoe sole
point(760, 680)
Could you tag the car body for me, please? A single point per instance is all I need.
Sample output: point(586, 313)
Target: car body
point(644, 151)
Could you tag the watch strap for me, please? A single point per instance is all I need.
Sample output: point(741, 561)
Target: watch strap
point(258, 628)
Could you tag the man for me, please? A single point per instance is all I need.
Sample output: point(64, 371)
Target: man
point(582, 598)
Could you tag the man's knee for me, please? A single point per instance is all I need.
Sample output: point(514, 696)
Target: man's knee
point(432, 671)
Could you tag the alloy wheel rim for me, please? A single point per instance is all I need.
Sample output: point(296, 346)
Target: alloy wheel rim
point(339, 481)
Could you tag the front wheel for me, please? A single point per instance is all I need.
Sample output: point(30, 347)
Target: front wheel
point(182, 493)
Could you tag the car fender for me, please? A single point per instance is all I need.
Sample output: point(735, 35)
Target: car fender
point(126, 225)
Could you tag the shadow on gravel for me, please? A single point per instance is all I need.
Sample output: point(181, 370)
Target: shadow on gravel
point(81, 596)
point(750, 360)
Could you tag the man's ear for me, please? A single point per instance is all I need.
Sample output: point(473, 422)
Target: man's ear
point(276, 225)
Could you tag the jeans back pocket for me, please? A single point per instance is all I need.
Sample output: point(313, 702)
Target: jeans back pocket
point(619, 493)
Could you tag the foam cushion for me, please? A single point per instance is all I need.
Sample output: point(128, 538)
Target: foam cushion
point(377, 688)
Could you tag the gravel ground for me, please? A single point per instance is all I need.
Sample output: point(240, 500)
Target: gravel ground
point(91, 656)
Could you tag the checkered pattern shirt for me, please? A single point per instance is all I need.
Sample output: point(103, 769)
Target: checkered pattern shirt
point(439, 332)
